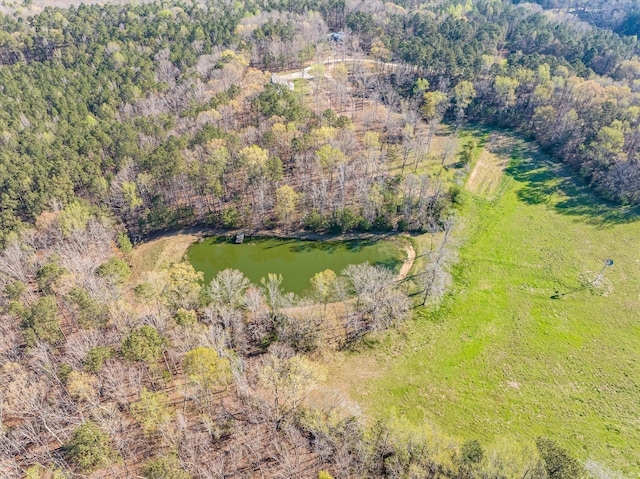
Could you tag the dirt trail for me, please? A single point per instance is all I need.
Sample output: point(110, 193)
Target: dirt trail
point(408, 264)
point(305, 73)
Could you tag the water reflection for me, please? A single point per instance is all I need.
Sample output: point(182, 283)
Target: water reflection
point(296, 260)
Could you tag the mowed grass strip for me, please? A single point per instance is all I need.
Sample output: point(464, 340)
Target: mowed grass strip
point(487, 174)
point(503, 362)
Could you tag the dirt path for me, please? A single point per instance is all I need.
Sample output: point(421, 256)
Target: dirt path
point(408, 264)
point(305, 73)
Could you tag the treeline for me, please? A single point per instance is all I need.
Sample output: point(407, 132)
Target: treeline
point(158, 112)
point(590, 125)
point(621, 16)
point(170, 378)
point(145, 109)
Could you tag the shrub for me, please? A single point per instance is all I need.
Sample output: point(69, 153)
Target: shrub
point(152, 411)
point(38, 471)
point(15, 290)
point(144, 291)
point(456, 193)
point(382, 224)
point(48, 275)
point(83, 387)
point(363, 224)
point(144, 344)
point(205, 368)
point(343, 122)
point(231, 218)
point(472, 452)
point(184, 287)
point(96, 357)
point(124, 243)
point(167, 467)
point(63, 371)
point(116, 269)
point(40, 321)
point(90, 448)
point(330, 117)
point(90, 313)
point(470, 152)
point(313, 221)
point(185, 317)
point(343, 220)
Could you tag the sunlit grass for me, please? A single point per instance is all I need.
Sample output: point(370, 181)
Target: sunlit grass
point(503, 361)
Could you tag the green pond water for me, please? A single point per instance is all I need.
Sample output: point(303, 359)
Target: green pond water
point(296, 260)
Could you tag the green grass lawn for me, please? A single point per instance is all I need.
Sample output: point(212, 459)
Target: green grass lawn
point(503, 362)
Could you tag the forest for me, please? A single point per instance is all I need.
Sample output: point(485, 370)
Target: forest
point(121, 122)
point(167, 117)
point(620, 16)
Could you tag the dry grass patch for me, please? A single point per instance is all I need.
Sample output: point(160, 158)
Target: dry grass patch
point(159, 253)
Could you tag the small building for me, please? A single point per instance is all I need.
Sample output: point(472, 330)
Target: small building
point(239, 238)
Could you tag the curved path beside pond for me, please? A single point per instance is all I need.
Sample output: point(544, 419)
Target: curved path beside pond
point(408, 264)
point(164, 248)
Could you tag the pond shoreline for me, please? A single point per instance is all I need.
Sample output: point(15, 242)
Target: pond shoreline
point(195, 234)
point(202, 231)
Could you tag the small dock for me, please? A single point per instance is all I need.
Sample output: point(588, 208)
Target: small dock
point(239, 238)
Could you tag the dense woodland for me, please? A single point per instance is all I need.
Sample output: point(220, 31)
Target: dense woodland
point(621, 16)
point(167, 117)
point(121, 121)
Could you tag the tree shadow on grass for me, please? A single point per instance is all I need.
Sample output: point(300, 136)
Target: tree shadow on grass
point(545, 181)
point(393, 264)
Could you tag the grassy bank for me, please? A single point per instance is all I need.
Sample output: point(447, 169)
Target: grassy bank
point(501, 360)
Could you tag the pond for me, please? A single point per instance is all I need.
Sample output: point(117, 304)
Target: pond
point(296, 260)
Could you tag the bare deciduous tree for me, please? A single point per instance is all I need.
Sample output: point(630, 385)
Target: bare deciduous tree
point(435, 277)
point(378, 296)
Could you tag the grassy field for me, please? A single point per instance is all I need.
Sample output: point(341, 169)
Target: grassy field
point(502, 360)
